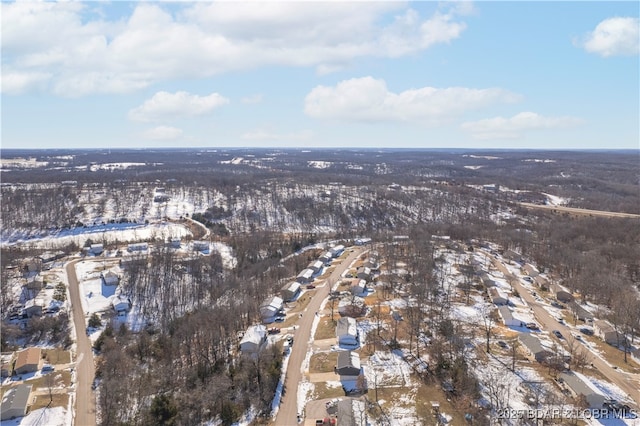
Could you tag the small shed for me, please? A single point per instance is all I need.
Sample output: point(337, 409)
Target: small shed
point(347, 332)
point(15, 402)
point(290, 291)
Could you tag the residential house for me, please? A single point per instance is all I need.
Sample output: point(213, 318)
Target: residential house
point(347, 332)
point(15, 402)
point(305, 277)
point(326, 258)
point(362, 241)
point(359, 288)
point(562, 295)
point(33, 308)
point(579, 312)
point(138, 247)
point(337, 250)
point(351, 412)
point(174, 243)
point(28, 361)
point(604, 330)
point(202, 246)
point(290, 291)
point(254, 339)
point(32, 265)
point(96, 249)
point(487, 280)
point(508, 318)
point(530, 270)
point(348, 363)
point(121, 304)
point(541, 282)
point(35, 284)
point(497, 297)
point(110, 278)
point(364, 273)
point(533, 346)
point(316, 266)
point(581, 387)
point(269, 308)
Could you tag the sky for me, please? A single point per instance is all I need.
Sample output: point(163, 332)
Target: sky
point(514, 75)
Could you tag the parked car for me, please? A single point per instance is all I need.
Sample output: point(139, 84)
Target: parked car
point(273, 330)
point(502, 344)
point(311, 287)
point(587, 331)
point(48, 367)
point(532, 326)
point(557, 334)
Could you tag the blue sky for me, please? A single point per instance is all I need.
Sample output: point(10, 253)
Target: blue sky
point(542, 75)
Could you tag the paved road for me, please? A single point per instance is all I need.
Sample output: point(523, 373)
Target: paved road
point(85, 414)
point(578, 211)
point(288, 412)
point(624, 381)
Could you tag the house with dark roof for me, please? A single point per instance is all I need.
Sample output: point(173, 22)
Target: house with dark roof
point(15, 402)
point(348, 363)
point(351, 412)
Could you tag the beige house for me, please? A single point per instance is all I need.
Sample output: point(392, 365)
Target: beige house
point(28, 361)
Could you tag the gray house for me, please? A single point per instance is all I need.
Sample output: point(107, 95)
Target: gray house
point(534, 347)
point(352, 412)
point(290, 291)
point(15, 401)
point(348, 363)
point(347, 332)
point(581, 387)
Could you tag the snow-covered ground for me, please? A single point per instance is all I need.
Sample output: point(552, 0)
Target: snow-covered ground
point(57, 416)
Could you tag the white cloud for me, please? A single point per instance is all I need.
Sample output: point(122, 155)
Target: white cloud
point(614, 37)
point(267, 135)
point(164, 106)
point(512, 128)
point(20, 82)
point(369, 99)
point(162, 133)
point(252, 100)
point(85, 53)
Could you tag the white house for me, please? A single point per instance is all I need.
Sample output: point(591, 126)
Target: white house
point(96, 249)
point(305, 277)
point(347, 332)
point(121, 304)
point(362, 241)
point(337, 250)
point(254, 339)
point(508, 318)
point(110, 278)
point(269, 308)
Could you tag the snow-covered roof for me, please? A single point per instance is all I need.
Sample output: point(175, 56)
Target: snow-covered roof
point(306, 273)
point(292, 286)
point(347, 327)
point(348, 359)
point(254, 334)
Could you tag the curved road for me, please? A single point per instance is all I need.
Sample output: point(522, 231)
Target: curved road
point(85, 414)
point(288, 412)
point(548, 322)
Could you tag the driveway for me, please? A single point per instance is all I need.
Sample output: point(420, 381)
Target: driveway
point(548, 322)
point(85, 414)
point(288, 412)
